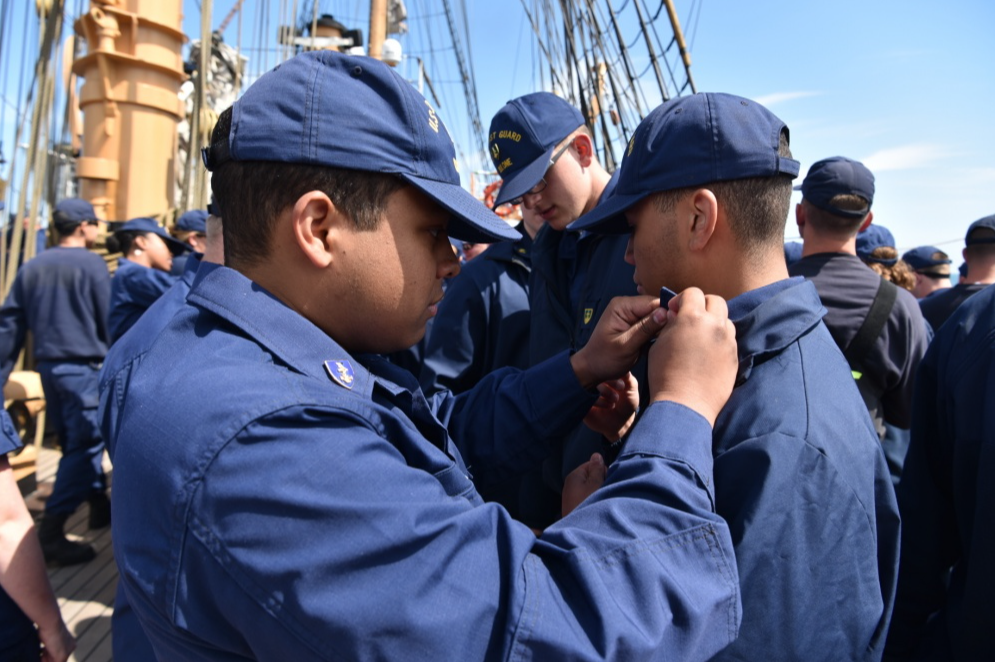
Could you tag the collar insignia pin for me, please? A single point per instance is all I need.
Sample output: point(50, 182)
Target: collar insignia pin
point(341, 373)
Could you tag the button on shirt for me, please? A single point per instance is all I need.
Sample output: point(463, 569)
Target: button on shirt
point(294, 512)
point(945, 608)
point(802, 482)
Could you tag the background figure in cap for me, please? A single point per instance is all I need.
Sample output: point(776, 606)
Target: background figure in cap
point(945, 607)
point(190, 229)
point(931, 269)
point(143, 273)
point(26, 597)
point(876, 248)
point(545, 154)
point(979, 256)
point(61, 296)
point(705, 189)
point(876, 324)
point(339, 188)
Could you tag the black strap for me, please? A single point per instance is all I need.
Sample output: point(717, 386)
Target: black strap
point(873, 324)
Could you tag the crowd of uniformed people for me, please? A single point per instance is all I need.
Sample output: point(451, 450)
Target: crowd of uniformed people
point(354, 414)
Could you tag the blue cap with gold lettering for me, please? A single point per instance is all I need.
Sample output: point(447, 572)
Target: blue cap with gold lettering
point(353, 112)
point(522, 138)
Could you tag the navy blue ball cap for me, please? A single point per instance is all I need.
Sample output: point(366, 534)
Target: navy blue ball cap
point(873, 238)
point(194, 220)
point(988, 223)
point(921, 257)
point(144, 224)
point(522, 138)
point(834, 176)
point(353, 112)
point(72, 211)
point(692, 141)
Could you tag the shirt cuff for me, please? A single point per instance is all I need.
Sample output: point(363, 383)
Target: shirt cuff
point(675, 432)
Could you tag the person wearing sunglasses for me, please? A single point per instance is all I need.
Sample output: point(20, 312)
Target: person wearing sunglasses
point(544, 152)
point(62, 297)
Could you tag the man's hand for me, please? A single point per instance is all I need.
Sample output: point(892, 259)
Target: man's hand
point(627, 324)
point(59, 643)
point(693, 361)
point(615, 411)
point(582, 482)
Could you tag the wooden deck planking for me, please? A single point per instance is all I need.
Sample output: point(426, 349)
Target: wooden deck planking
point(85, 592)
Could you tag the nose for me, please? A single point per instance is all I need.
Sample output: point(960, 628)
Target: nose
point(629, 255)
point(529, 200)
point(449, 266)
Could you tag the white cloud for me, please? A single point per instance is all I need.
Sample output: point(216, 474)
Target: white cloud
point(905, 157)
point(769, 100)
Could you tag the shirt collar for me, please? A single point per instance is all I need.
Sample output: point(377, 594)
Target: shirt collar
point(770, 318)
point(275, 326)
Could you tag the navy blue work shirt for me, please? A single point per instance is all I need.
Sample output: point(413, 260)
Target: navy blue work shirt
point(847, 288)
point(17, 632)
point(133, 289)
point(483, 320)
point(61, 296)
point(946, 586)
point(310, 504)
point(940, 305)
point(802, 482)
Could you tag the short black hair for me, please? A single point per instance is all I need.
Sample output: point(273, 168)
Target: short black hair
point(250, 195)
point(757, 207)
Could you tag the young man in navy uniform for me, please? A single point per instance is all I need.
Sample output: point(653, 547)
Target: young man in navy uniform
point(876, 324)
point(545, 154)
point(946, 583)
point(979, 255)
point(705, 188)
point(62, 296)
point(312, 501)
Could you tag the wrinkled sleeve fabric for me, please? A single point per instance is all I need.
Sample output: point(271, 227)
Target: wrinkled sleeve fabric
point(358, 556)
point(506, 424)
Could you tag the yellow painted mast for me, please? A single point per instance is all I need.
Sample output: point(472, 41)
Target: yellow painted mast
point(133, 69)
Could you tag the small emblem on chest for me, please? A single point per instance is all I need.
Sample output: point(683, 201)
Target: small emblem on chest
point(341, 373)
point(588, 314)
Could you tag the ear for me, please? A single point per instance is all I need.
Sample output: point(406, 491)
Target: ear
point(585, 149)
point(801, 217)
point(316, 221)
point(867, 222)
point(702, 214)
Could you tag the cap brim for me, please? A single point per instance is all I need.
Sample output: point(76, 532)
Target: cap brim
point(609, 216)
point(176, 247)
point(471, 221)
point(521, 182)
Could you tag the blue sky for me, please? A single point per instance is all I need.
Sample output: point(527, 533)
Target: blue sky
point(905, 86)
